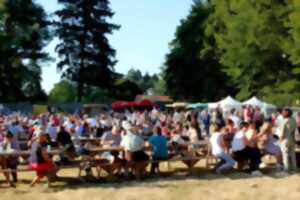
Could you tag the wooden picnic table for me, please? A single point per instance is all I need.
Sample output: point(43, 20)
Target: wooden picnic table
point(87, 139)
point(27, 153)
point(98, 149)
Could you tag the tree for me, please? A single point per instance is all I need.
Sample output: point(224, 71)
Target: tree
point(250, 37)
point(189, 74)
point(125, 89)
point(24, 33)
point(97, 95)
point(62, 92)
point(159, 86)
point(145, 82)
point(135, 75)
point(288, 92)
point(86, 56)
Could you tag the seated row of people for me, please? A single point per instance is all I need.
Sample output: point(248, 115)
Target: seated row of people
point(248, 145)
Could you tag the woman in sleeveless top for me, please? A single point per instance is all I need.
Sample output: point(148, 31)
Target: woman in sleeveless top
point(40, 159)
point(268, 141)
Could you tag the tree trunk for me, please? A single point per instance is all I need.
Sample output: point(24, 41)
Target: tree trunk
point(82, 49)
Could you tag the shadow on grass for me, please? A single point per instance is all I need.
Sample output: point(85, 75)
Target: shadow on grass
point(163, 180)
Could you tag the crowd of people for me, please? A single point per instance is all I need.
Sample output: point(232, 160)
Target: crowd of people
point(237, 138)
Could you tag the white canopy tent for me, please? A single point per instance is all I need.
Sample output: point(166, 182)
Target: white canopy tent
point(226, 104)
point(254, 101)
point(229, 103)
point(267, 108)
point(213, 105)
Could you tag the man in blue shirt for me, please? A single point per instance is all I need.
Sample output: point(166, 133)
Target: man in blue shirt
point(159, 145)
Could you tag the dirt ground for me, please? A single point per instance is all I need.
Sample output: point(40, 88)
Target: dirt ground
point(170, 186)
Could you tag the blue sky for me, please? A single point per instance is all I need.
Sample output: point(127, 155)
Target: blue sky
point(147, 27)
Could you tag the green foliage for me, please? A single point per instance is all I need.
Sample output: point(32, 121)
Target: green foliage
point(135, 75)
point(97, 95)
point(125, 89)
point(65, 92)
point(159, 86)
point(145, 82)
point(62, 92)
point(292, 44)
point(253, 38)
point(86, 56)
point(192, 71)
point(24, 34)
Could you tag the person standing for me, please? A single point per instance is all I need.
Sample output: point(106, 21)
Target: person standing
point(287, 141)
point(205, 119)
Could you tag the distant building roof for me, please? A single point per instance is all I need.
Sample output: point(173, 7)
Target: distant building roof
point(153, 98)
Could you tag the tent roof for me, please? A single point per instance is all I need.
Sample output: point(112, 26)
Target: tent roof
point(229, 101)
point(226, 103)
point(254, 101)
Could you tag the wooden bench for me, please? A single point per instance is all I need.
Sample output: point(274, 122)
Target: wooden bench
point(91, 161)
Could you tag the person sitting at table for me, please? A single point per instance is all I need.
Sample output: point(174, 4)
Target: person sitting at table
point(11, 161)
point(194, 133)
point(52, 132)
point(194, 138)
point(159, 145)
point(239, 148)
point(252, 146)
point(2, 132)
point(40, 160)
point(3, 165)
point(221, 151)
point(108, 140)
point(243, 153)
point(268, 141)
point(133, 146)
point(64, 141)
point(3, 160)
point(79, 129)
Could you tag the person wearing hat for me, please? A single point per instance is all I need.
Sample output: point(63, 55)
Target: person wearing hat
point(40, 160)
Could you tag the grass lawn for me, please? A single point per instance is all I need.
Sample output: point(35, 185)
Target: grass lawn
point(173, 186)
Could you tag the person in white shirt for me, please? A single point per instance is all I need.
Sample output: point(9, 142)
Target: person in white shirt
point(278, 124)
point(132, 142)
point(92, 122)
point(239, 147)
point(219, 150)
point(243, 149)
point(133, 146)
point(287, 141)
point(52, 130)
point(177, 117)
point(236, 120)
